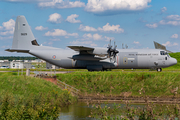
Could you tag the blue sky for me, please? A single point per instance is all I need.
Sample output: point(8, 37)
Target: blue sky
point(92, 23)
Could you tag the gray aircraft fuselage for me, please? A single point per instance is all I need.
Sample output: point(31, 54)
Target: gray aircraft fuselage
point(93, 59)
point(125, 59)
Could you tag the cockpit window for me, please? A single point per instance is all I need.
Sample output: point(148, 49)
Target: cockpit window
point(164, 53)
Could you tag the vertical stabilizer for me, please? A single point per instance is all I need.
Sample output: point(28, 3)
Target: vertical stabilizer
point(23, 36)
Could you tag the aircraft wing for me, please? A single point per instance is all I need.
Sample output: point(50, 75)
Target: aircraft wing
point(81, 48)
point(88, 53)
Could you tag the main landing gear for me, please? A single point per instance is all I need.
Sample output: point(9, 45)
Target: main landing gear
point(159, 69)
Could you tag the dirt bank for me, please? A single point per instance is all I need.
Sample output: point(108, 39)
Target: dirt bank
point(162, 100)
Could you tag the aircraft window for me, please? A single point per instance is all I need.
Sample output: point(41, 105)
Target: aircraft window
point(163, 53)
point(165, 58)
point(24, 24)
point(34, 42)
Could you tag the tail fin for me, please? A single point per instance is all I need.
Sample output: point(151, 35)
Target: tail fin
point(23, 37)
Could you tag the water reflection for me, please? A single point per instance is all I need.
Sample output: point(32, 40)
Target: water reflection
point(80, 111)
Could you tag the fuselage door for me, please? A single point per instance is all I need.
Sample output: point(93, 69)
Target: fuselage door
point(125, 60)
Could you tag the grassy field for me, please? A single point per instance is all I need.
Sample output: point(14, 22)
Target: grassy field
point(30, 98)
point(153, 84)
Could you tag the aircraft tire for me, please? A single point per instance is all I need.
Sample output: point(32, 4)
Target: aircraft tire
point(159, 69)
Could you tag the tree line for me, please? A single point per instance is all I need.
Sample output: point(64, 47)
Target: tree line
point(11, 58)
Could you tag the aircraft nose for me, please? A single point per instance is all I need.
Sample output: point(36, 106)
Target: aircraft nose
point(173, 61)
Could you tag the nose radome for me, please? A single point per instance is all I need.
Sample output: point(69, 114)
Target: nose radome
point(173, 61)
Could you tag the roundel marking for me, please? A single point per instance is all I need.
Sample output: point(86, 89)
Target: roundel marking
point(54, 57)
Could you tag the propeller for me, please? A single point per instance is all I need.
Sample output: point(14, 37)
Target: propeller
point(109, 49)
point(112, 51)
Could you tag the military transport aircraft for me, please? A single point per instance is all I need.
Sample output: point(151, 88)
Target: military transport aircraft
point(93, 59)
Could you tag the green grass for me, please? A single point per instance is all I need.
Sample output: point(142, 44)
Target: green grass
point(24, 97)
point(24, 86)
point(177, 66)
point(153, 84)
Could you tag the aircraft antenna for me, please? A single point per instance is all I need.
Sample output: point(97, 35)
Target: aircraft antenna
point(126, 46)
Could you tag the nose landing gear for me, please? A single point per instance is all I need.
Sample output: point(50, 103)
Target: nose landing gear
point(159, 69)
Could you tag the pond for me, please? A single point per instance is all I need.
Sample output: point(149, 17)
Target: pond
point(81, 111)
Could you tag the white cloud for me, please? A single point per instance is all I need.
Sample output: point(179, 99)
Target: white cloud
point(25, 0)
point(105, 28)
point(171, 20)
point(81, 42)
point(4, 38)
point(50, 43)
point(72, 18)
point(113, 28)
point(97, 36)
point(164, 9)
point(174, 36)
point(173, 17)
point(175, 44)
point(174, 23)
point(7, 27)
point(60, 32)
point(87, 36)
point(94, 36)
point(87, 28)
point(55, 18)
point(60, 4)
point(155, 25)
point(57, 32)
point(55, 39)
point(5, 46)
point(93, 45)
point(136, 42)
point(73, 34)
point(97, 6)
point(7, 32)
point(109, 38)
point(41, 28)
point(169, 44)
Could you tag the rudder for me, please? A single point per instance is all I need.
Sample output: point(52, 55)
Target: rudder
point(23, 36)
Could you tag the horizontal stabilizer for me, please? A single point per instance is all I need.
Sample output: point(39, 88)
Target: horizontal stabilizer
point(17, 50)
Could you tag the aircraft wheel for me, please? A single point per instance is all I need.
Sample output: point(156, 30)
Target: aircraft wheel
point(159, 69)
point(104, 70)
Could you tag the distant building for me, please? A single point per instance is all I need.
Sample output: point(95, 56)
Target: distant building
point(20, 65)
point(38, 61)
point(4, 60)
point(51, 66)
point(4, 63)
